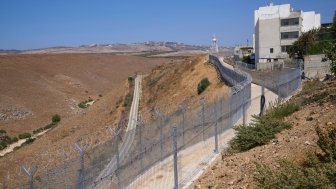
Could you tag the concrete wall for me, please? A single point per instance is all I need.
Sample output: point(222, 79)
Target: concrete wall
point(310, 20)
point(315, 68)
point(268, 37)
point(269, 65)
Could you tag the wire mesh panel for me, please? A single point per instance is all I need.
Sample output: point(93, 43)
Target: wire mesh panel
point(142, 157)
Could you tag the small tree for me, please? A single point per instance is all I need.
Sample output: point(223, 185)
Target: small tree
point(330, 54)
point(56, 118)
point(303, 45)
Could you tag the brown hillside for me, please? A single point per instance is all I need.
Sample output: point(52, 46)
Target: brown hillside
point(173, 84)
point(47, 84)
point(34, 87)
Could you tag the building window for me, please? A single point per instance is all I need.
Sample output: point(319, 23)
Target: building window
point(284, 48)
point(290, 22)
point(271, 50)
point(290, 35)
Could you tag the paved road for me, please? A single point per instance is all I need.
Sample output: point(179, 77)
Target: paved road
point(129, 138)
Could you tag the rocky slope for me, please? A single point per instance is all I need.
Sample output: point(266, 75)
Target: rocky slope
point(238, 170)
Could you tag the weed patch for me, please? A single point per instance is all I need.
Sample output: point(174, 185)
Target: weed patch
point(263, 128)
point(84, 104)
point(24, 135)
point(318, 171)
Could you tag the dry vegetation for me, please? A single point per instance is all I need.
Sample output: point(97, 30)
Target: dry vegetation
point(300, 157)
point(58, 83)
point(44, 85)
point(173, 84)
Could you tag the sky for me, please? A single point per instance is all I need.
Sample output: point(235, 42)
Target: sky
point(46, 23)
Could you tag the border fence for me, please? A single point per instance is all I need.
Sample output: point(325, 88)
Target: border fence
point(167, 147)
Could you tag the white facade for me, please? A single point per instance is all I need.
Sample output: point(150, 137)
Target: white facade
point(277, 27)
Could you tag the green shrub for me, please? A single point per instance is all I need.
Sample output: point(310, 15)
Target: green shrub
point(202, 85)
point(56, 118)
point(130, 78)
point(5, 140)
point(2, 131)
point(256, 134)
point(263, 128)
point(15, 139)
point(3, 145)
point(128, 101)
point(38, 130)
point(49, 126)
point(84, 104)
point(29, 141)
point(283, 110)
point(24, 135)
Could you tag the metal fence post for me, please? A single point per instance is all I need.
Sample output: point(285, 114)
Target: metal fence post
point(203, 117)
point(244, 109)
point(81, 171)
point(30, 173)
point(116, 138)
point(160, 116)
point(175, 158)
point(216, 129)
point(183, 109)
point(139, 125)
point(221, 116)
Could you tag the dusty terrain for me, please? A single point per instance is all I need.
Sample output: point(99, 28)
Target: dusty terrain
point(237, 170)
point(34, 87)
point(166, 87)
point(170, 85)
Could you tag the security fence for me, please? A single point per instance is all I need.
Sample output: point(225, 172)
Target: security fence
point(245, 65)
point(170, 151)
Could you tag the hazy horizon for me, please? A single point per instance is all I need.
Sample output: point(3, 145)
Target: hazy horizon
point(40, 24)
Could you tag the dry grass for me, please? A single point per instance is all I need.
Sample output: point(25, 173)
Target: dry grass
point(50, 84)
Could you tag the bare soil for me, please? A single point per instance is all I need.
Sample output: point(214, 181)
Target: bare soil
point(35, 87)
point(237, 170)
point(171, 85)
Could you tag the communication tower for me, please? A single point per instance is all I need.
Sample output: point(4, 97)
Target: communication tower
point(214, 46)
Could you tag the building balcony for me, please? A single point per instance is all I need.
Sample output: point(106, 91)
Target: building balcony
point(287, 42)
point(290, 28)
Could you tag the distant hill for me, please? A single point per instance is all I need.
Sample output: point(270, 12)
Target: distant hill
point(149, 46)
point(2, 51)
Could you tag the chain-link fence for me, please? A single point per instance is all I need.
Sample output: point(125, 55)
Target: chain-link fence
point(170, 151)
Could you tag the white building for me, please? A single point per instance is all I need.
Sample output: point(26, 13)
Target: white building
point(277, 27)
